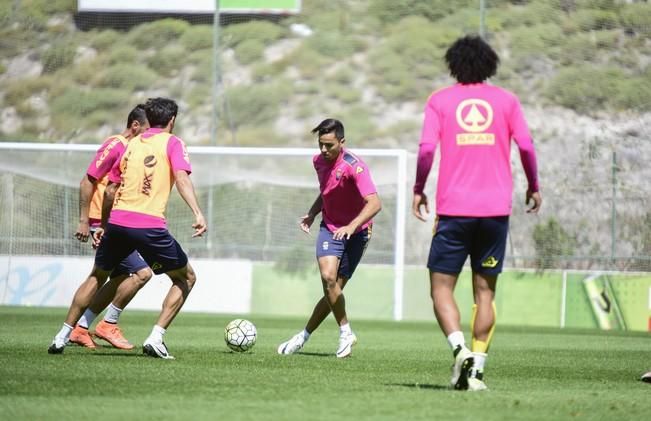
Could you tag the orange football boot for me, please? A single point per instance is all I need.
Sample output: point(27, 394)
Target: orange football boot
point(112, 334)
point(80, 336)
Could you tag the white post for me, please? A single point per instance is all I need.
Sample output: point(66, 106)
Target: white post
point(563, 298)
point(399, 262)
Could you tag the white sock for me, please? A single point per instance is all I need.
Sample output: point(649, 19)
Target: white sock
point(64, 333)
point(456, 339)
point(87, 318)
point(479, 360)
point(306, 335)
point(112, 314)
point(156, 334)
point(345, 329)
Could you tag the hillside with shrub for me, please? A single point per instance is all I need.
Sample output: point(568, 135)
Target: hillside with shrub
point(581, 67)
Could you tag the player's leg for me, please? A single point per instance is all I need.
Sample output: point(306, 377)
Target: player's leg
point(482, 325)
point(320, 312)
point(449, 249)
point(80, 302)
point(354, 249)
point(80, 334)
point(183, 281)
point(164, 255)
point(108, 329)
point(487, 258)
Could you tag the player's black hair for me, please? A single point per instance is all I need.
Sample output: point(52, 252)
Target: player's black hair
point(160, 111)
point(471, 60)
point(330, 125)
point(137, 114)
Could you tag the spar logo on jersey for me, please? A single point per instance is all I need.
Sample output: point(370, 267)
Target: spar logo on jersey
point(474, 117)
point(325, 245)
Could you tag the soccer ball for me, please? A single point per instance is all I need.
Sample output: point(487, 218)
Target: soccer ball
point(240, 335)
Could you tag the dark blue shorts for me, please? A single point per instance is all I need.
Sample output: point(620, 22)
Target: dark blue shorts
point(456, 238)
point(131, 264)
point(348, 251)
point(156, 246)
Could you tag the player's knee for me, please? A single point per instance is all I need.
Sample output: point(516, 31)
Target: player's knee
point(143, 276)
point(329, 282)
point(191, 278)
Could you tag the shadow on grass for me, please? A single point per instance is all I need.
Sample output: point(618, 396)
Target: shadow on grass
point(419, 386)
point(315, 354)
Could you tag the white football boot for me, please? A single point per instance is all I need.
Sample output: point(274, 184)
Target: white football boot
point(346, 343)
point(293, 345)
point(463, 360)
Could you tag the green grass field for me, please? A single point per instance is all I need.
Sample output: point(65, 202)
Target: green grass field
point(398, 371)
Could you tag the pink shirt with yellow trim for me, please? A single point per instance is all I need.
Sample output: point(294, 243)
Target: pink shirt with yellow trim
point(344, 184)
point(146, 176)
point(474, 125)
point(107, 155)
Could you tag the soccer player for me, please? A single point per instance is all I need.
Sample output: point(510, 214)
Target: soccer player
point(133, 269)
point(348, 201)
point(133, 215)
point(473, 123)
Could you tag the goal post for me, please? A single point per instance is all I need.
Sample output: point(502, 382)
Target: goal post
point(252, 198)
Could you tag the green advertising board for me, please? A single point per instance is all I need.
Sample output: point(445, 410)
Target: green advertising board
point(260, 6)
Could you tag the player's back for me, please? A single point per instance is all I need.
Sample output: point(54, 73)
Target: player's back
point(476, 124)
point(146, 176)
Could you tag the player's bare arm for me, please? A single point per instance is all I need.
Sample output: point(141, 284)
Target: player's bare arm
point(419, 201)
point(186, 190)
point(534, 197)
point(107, 205)
point(308, 219)
point(87, 188)
point(371, 208)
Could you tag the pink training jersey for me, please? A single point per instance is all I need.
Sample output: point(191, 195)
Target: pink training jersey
point(474, 125)
point(146, 176)
point(107, 154)
point(344, 184)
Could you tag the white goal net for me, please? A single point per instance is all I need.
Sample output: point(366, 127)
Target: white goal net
point(252, 198)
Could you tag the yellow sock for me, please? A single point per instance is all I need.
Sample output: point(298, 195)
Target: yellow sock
point(477, 345)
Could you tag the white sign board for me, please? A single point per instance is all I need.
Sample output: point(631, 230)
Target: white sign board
point(223, 286)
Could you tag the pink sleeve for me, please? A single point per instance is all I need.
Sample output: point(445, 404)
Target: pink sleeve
point(363, 180)
point(115, 174)
point(105, 157)
point(429, 138)
point(177, 153)
point(520, 132)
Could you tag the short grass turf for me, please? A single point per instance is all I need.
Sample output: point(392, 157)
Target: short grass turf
point(397, 371)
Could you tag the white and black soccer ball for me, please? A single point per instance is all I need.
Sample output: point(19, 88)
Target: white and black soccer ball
point(240, 335)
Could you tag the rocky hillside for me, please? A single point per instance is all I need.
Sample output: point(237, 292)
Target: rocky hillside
point(581, 68)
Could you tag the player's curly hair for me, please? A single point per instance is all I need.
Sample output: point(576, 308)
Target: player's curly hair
point(471, 60)
point(330, 125)
point(160, 111)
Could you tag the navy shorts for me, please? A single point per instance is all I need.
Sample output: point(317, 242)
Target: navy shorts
point(156, 246)
point(130, 265)
point(348, 251)
point(456, 238)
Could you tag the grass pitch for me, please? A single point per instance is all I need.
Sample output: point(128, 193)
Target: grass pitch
point(397, 371)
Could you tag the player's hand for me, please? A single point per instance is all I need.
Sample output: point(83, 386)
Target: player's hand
point(83, 232)
point(343, 232)
point(306, 223)
point(419, 200)
point(199, 226)
point(537, 201)
point(98, 233)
